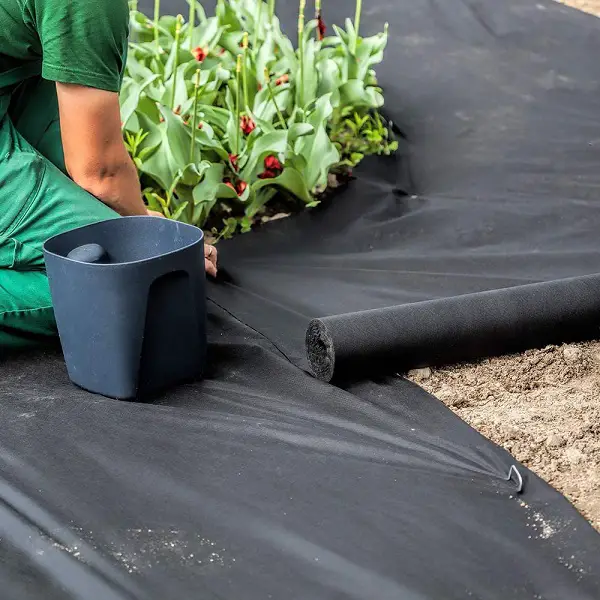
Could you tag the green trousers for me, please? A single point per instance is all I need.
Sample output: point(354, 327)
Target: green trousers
point(37, 201)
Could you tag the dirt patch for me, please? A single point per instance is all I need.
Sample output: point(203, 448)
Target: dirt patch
point(591, 6)
point(543, 406)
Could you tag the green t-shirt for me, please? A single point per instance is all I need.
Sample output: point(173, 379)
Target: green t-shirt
point(75, 41)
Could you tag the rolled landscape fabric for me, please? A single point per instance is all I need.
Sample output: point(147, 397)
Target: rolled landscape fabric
point(450, 330)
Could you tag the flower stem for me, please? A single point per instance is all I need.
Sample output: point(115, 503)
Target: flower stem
point(238, 70)
point(357, 22)
point(176, 61)
point(271, 12)
point(192, 22)
point(195, 115)
point(244, 69)
point(272, 97)
point(301, 50)
point(156, 17)
point(194, 128)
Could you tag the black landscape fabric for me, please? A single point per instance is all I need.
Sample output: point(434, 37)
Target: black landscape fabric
point(264, 482)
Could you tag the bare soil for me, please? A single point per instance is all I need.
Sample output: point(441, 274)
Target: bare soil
point(590, 6)
point(543, 406)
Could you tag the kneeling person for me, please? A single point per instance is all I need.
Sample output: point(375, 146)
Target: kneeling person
point(63, 163)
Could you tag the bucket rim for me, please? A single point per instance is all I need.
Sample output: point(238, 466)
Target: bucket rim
point(49, 252)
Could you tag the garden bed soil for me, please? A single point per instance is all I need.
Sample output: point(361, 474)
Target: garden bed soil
point(542, 406)
point(591, 6)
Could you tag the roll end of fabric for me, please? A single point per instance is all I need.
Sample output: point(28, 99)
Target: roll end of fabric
point(320, 351)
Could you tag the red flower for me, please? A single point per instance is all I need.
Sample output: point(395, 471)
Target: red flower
point(272, 164)
point(283, 79)
point(272, 168)
point(259, 87)
point(200, 125)
point(233, 159)
point(321, 27)
point(199, 53)
point(240, 188)
point(247, 124)
point(177, 110)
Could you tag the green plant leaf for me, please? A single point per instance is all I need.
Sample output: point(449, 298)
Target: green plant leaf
point(175, 216)
point(181, 88)
point(329, 79)
point(264, 106)
point(172, 139)
point(318, 150)
point(265, 126)
point(265, 57)
point(154, 201)
point(231, 42)
point(245, 224)
point(139, 72)
point(354, 93)
point(208, 34)
point(224, 191)
point(285, 46)
point(215, 115)
point(205, 193)
point(296, 161)
point(271, 143)
point(192, 173)
point(233, 134)
point(298, 130)
point(230, 228)
point(290, 180)
point(130, 97)
point(308, 88)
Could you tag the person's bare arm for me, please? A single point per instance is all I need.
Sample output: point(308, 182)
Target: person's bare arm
point(95, 155)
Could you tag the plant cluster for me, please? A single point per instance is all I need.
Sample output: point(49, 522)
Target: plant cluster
point(225, 118)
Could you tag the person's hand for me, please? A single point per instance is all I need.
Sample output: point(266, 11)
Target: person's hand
point(210, 252)
point(210, 260)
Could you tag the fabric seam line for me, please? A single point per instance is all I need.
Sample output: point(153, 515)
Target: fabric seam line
point(262, 335)
point(91, 76)
point(27, 205)
point(24, 311)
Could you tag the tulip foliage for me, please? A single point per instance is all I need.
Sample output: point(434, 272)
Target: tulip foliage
point(225, 118)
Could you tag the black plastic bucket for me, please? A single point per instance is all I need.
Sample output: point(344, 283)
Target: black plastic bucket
point(133, 323)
